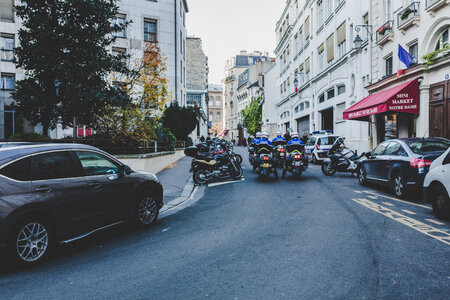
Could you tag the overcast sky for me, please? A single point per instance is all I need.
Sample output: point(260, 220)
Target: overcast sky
point(228, 26)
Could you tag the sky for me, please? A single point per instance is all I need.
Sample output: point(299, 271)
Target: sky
point(228, 26)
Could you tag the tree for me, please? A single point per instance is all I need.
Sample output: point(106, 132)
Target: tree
point(252, 116)
point(64, 50)
point(146, 86)
point(181, 121)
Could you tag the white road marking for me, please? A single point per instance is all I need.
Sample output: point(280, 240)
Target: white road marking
point(388, 204)
point(435, 222)
point(165, 229)
point(359, 192)
point(408, 212)
point(373, 197)
point(223, 183)
point(398, 200)
point(408, 221)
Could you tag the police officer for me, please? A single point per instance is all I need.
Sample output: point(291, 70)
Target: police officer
point(265, 145)
point(294, 146)
point(279, 140)
point(255, 140)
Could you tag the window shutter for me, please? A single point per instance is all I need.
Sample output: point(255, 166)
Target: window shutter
point(307, 27)
point(7, 10)
point(320, 49)
point(301, 67)
point(307, 65)
point(330, 47)
point(341, 33)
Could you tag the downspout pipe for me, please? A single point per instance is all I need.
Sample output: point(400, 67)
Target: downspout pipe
point(176, 51)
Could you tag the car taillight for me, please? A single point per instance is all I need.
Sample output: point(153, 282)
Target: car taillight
point(297, 156)
point(266, 158)
point(419, 163)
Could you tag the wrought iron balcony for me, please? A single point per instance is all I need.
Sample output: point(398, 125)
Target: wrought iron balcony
point(408, 16)
point(385, 33)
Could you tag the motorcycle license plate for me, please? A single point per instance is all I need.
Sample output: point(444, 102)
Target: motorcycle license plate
point(266, 165)
point(297, 163)
point(282, 154)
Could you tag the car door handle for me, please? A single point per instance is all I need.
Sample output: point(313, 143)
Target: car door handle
point(42, 189)
point(94, 185)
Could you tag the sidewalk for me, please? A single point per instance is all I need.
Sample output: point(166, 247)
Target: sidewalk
point(176, 180)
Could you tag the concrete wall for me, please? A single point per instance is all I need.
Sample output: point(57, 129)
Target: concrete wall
point(153, 162)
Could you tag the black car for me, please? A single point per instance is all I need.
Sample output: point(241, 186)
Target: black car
point(53, 193)
point(401, 163)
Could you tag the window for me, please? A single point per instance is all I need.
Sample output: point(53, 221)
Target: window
point(6, 47)
point(96, 164)
point(424, 146)
point(55, 165)
point(330, 94)
point(329, 7)
point(218, 101)
point(322, 98)
point(389, 67)
point(150, 30)
point(392, 149)
point(320, 13)
point(19, 170)
point(296, 109)
point(330, 48)
point(193, 99)
point(120, 21)
point(306, 105)
point(218, 116)
point(321, 56)
point(7, 82)
point(379, 150)
point(7, 10)
point(341, 38)
point(341, 89)
point(302, 106)
point(414, 52)
point(119, 52)
point(443, 40)
point(340, 108)
point(311, 142)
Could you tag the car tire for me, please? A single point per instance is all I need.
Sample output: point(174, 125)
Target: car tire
point(441, 203)
point(314, 159)
point(147, 208)
point(362, 176)
point(31, 241)
point(399, 185)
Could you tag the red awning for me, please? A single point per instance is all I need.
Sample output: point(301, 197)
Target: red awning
point(403, 98)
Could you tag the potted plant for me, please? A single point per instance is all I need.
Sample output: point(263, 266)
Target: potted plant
point(383, 29)
point(406, 13)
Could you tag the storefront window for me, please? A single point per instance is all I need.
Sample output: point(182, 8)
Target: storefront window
point(390, 126)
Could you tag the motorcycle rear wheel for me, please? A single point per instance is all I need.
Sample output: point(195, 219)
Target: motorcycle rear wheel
point(201, 177)
point(327, 169)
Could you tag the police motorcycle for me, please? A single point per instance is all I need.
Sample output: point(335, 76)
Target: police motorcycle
point(207, 168)
point(279, 143)
point(296, 161)
point(341, 159)
point(251, 149)
point(265, 163)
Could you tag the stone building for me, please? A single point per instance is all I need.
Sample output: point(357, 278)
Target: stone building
point(197, 84)
point(215, 109)
point(162, 21)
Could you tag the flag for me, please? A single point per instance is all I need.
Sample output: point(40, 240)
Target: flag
point(405, 58)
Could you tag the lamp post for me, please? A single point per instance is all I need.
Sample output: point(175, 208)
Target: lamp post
point(358, 40)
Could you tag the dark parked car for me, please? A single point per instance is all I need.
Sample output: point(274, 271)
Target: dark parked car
point(401, 163)
point(53, 193)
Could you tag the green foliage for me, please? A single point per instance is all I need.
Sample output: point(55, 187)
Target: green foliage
point(63, 46)
point(252, 116)
point(431, 57)
point(165, 135)
point(181, 121)
point(29, 136)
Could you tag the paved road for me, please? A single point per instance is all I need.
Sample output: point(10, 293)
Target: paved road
point(313, 238)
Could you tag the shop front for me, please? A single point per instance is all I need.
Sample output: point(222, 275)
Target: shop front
point(392, 112)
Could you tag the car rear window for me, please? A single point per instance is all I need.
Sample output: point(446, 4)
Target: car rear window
point(19, 170)
point(426, 146)
point(327, 140)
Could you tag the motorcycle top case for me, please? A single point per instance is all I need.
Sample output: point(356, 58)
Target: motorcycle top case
point(191, 151)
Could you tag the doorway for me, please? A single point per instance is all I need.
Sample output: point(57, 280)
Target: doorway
point(439, 123)
point(327, 119)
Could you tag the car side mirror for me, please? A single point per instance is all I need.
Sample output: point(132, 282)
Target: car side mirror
point(125, 170)
point(368, 155)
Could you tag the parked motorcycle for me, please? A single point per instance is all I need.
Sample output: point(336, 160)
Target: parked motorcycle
point(341, 159)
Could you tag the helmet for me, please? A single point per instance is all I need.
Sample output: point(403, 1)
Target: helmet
point(265, 134)
point(279, 133)
point(258, 134)
point(294, 135)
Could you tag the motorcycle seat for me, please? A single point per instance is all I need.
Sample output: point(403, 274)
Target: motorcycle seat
point(209, 163)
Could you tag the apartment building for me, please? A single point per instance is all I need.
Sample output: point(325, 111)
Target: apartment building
point(234, 67)
point(420, 95)
point(270, 98)
point(161, 21)
point(215, 109)
point(197, 84)
point(320, 74)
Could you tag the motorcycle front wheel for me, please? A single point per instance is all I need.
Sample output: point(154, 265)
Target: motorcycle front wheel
point(328, 169)
point(238, 158)
point(236, 173)
point(201, 177)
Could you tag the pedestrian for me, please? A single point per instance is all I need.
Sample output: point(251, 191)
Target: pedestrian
point(287, 136)
point(202, 139)
point(304, 138)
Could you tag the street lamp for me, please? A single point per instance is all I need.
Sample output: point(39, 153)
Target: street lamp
point(358, 41)
point(296, 83)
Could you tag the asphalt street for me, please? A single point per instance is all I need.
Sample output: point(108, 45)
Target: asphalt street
point(311, 238)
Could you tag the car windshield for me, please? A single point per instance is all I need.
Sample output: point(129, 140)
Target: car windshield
point(327, 140)
point(423, 146)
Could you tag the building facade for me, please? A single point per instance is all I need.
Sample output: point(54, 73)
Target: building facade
point(215, 109)
point(271, 93)
point(197, 84)
point(315, 51)
point(161, 21)
point(234, 67)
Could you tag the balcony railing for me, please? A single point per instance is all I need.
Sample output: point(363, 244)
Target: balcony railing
point(407, 14)
point(434, 5)
point(384, 30)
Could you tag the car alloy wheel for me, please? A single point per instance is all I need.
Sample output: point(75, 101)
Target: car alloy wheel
point(399, 186)
point(32, 242)
point(362, 176)
point(148, 210)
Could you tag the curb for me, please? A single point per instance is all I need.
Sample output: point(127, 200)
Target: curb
point(185, 195)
